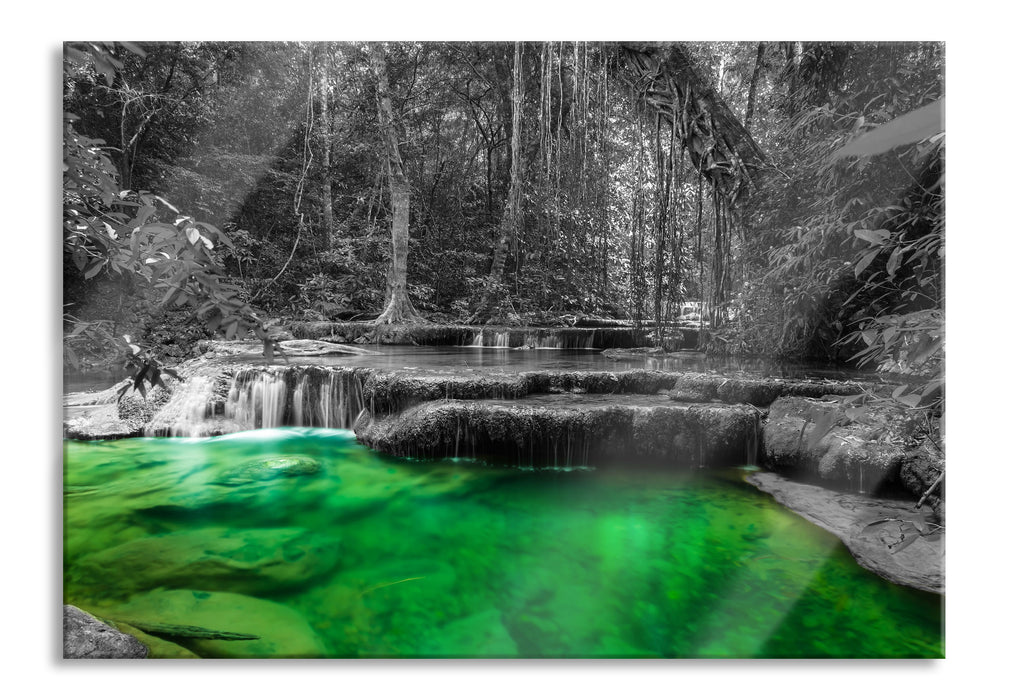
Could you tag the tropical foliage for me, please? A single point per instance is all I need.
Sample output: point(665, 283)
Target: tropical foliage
point(210, 184)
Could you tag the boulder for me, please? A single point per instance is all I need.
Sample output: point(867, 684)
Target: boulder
point(86, 637)
point(100, 422)
point(863, 455)
point(134, 406)
point(921, 468)
point(847, 516)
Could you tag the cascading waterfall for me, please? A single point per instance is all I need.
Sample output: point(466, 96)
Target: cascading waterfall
point(490, 339)
point(259, 402)
point(332, 399)
point(563, 339)
point(186, 412)
point(263, 397)
point(306, 396)
point(478, 340)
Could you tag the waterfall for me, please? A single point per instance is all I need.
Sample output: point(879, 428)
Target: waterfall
point(259, 401)
point(564, 339)
point(490, 339)
point(263, 397)
point(187, 412)
point(547, 340)
point(308, 396)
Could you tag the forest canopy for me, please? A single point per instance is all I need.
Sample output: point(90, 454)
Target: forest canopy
point(210, 187)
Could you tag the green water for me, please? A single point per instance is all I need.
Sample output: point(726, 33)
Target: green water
point(320, 547)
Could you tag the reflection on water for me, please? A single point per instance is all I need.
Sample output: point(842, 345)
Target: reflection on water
point(316, 546)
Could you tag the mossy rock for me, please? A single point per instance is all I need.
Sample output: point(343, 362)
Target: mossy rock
point(279, 630)
point(268, 469)
point(249, 561)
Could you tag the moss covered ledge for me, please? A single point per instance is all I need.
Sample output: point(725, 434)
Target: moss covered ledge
point(569, 429)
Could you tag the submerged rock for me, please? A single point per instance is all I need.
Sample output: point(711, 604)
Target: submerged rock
point(267, 469)
point(919, 565)
point(278, 631)
point(251, 561)
point(157, 647)
point(86, 637)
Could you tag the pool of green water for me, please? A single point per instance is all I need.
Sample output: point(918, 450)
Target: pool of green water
point(311, 545)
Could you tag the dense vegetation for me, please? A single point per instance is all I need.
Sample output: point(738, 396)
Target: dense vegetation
point(210, 187)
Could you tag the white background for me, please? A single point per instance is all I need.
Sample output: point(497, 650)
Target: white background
point(30, 136)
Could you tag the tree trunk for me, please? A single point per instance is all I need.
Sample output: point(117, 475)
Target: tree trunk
point(512, 217)
point(327, 146)
point(398, 308)
point(754, 80)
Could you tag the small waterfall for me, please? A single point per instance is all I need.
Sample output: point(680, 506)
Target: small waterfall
point(259, 401)
point(547, 340)
point(565, 339)
point(188, 412)
point(307, 396)
point(263, 397)
point(490, 339)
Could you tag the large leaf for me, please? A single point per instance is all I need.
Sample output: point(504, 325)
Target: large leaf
point(866, 260)
point(894, 262)
point(876, 236)
point(94, 269)
point(916, 125)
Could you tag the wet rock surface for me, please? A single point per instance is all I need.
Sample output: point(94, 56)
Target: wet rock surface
point(214, 624)
point(99, 422)
point(755, 391)
point(86, 637)
point(846, 515)
point(861, 455)
point(218, 557)
point(568, 429)
point(304, 347)
point(268, 469)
